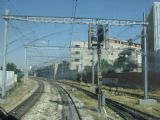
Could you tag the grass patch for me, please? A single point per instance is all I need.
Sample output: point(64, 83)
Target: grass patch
point(126, 99)
point(17, 94)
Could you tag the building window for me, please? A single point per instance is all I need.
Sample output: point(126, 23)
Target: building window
point(115, 41)
point(77, 67)
point(77, 60)
point(77, 46)
point(135, 45)
point(126, 43)
point(77, 52)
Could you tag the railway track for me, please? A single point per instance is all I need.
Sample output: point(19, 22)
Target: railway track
point(69, 109)
point(133, 94)
point(124, 111)
point(138, 95)
point(22, 108)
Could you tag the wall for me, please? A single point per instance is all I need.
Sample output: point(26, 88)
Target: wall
point(130, 79)
point(11, 80)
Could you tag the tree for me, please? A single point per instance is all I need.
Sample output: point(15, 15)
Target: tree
point(87, 69)
point(105, 66)
point(13, 67)
point(125, 61)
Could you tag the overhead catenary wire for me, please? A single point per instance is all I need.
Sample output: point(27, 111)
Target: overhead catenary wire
point(17, 11)
point(12, 5)
point(123, 31)
point(37, 39)
point(19, 31)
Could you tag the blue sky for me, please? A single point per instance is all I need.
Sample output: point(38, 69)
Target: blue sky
point(25, 32)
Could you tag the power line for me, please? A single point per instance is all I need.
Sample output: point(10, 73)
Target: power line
point(12, 5)
point(44, 36)
point(19, 31)
point(17, 11)
point(50, 34)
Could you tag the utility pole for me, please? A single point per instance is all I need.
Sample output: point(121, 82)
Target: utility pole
point(93, 62)
point(62, 69)
point(92, 43)
point(100, 39)
point(54, 77)
point(99, 78)
point(4, 77)
point(81, 66)
point(145, 67)
point(26, 65)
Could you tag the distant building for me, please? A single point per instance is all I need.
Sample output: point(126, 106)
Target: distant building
point(153, 38)
point(56, 71)
point(81, 56)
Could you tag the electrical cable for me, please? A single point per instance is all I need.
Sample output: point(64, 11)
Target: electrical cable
point(17, 11)
point(123, 31)
point(39, 39)
point(44, 36)
point(18, 30)
point(12, 5)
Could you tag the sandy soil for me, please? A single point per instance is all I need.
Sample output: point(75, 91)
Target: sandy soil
point(47, 106)
point(88, 107)
point(18, 94)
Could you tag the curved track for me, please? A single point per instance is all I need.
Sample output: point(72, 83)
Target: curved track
point(124, 111)
point(69, 109)
point(22, 108)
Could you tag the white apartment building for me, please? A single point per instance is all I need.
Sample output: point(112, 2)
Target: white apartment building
point(81, 56)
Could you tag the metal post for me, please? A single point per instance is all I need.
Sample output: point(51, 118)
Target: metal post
point(54, 77)
point(99, 77)
point(26, 65)
point(62, 69)
point(4, 56)
point(107, 36)
point(81, 67)
point(93, 60)
point(25, 62)
point(145, 60)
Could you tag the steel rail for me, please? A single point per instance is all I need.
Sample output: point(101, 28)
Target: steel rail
point(124, 111)
point(133, 94)
point(69, 111)
point(23, 108)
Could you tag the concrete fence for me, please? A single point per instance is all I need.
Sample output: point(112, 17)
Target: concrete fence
point(10, 81)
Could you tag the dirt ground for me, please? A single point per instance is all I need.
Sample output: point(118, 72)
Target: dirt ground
point(88, 107)
point(18, 94)
point(126, 99)
point(46, 107)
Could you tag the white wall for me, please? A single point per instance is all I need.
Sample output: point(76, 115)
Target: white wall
point(11, 80)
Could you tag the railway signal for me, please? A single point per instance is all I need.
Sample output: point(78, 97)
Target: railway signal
point(100, 33)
